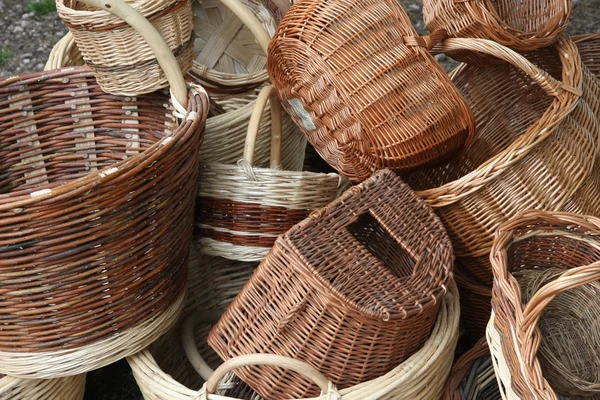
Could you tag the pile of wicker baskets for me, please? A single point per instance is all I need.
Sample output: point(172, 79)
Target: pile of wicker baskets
point(175, 190)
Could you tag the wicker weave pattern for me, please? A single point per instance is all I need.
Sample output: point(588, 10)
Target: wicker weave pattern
point(355, 78)
point(521, 25)
point(122, 62)
point(539, 240)
point(69, 388)
point(352, 275)
point(475, 303)
point(92, 188)
point(536, 147)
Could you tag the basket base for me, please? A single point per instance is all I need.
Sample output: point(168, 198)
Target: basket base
point(61, 363)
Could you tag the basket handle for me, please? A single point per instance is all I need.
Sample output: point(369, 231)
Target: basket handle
point(569, 280)
point(248, 19)
point(157, 43)
point(550, 85)
point(189, 344)
point(261, 102)
point(300, 367)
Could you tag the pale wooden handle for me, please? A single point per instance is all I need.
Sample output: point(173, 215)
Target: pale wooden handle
point(157, 43)
point(248, 19)
point(253, 126)
point(188, 341)
point(271, 360)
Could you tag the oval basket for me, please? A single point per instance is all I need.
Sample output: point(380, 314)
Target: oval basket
point(536, 146)
point(362, 275)
point(122, 61)
point(242, 209)
point(92, 188)
point(347, 72)
point(472, 376)
point(69, 388)
point(421, 377)
point(523, 26)
point(548, 335)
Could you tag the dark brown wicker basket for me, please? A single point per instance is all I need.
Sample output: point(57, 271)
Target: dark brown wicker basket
point(362, 85)
point(353, 290)
point(96, 218)
point(475, 304)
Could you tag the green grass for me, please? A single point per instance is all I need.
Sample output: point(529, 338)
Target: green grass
point(41, 7)
point(5, 55)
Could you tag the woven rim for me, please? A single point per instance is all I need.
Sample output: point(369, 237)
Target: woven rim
point(421, 377)
point(461, 369)
point(515, 354)
point(69, 388)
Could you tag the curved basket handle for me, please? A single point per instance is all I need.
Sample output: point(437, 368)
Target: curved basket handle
point(248, 19)
point(276, 361)
point(259, 107)
point(550, 85)
point(189, 344)
point(569, 280)
point(157, 43)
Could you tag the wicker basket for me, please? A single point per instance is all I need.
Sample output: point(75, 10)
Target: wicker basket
point(421, 377)
point(550, 337)
point(348, 71)
point(475, 303)
point(536, 147)
point(69, 388)
point(524, 25)
point(122, 61)
point(92, 188)
point(473, 376)
point(243, 209)
point(356, 271)
point(589, 50)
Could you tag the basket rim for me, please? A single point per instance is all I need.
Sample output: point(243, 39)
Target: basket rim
point(462, 366)
point(117, 170)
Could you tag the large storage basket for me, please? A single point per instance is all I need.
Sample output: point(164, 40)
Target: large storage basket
point(524, 25)
point(243, 209)
point(536, 146)
point(122, 61)
point(353, 290)
point(546, 339)
point(96, 215)
point(362, 86)
point(421, 377)
point(69, 388)
point(472, 376)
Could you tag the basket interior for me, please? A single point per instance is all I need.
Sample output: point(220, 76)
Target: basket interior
point(529, 16)
point(60, 132)
point(505, 103)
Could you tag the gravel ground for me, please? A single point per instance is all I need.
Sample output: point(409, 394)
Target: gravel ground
point(30, 38)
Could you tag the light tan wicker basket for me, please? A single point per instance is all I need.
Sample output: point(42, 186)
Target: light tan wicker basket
point(68, 388)
point(421, 377)
point(122, 61)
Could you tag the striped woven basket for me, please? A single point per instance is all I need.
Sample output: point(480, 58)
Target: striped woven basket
point(243, 209)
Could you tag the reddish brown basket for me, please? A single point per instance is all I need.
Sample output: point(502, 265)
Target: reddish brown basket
point(536, 146)
point(96, 217)
point(353, 290)
point(524, 25)
point(361, 84)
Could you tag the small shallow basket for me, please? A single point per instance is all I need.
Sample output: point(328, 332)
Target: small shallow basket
point(69, 388)
point(551, 337)
point(347, 73)
point(536, 146)
point(96, 214)
point(368, 271)
point(524, 25)
point(122, 61)
point(472, 376)
point(242, 209)
point(421, 377)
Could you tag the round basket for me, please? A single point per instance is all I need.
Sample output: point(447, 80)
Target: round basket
point(472, 376)
point(521, 25)
point(589, 50)
point(475, 303)
point(347, 72)
point(122, 61)
point(92, 188)
point(421, 377)
point(536, 146)
point(546, 339)
point(242, 209)
point(370, 281)
point(69, 388)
